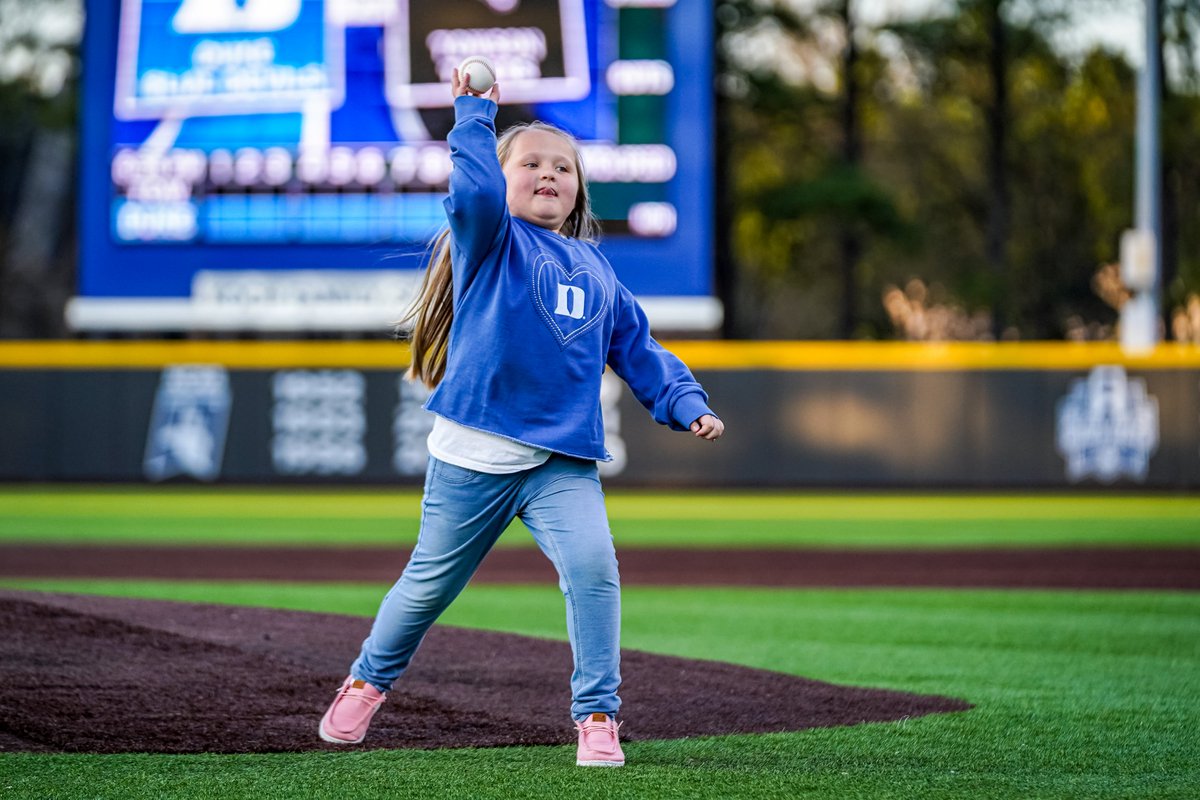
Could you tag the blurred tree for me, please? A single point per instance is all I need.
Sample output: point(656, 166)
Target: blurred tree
point(1180, 164)
point(850, 239)
point(1001, 84)
point(38, 70)
point(799, 203)
point(992, 161)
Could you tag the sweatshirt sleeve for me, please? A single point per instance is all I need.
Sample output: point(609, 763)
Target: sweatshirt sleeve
point(476, 208)
point(659, 380)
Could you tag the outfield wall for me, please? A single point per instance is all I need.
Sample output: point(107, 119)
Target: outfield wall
point(1052, 415)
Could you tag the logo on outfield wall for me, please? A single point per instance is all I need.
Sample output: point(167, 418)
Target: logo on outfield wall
point(411, 425)
point(188, 424)
point(319, 420)
point(610, 398)
point(1108, 426)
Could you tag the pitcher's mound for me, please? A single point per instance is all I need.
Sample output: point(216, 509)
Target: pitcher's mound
point(112, 675)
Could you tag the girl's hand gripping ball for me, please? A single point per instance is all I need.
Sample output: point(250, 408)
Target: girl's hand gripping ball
point(478, 72)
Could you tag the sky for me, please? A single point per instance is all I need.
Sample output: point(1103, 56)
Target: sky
point(1121, 29)
point(1118, 27)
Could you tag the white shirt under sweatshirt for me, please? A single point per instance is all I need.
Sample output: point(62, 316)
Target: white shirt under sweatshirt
point(479, 450)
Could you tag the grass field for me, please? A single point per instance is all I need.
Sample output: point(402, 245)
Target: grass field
point(1076, 694)
point(318, 516)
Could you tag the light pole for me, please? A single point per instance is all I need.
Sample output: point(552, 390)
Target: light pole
point(1141, 259)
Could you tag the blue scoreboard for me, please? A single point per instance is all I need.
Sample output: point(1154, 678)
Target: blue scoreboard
point(282, 163)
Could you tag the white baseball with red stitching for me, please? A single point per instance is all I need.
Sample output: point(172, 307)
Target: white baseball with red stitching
point(481, 72)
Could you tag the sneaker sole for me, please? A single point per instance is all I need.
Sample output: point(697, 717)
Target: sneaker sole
point(581, 763)
point(321, 732)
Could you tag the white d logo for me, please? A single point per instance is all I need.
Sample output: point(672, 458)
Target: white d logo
point(570, 301)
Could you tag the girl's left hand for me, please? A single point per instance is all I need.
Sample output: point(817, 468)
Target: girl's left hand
point(708, 427)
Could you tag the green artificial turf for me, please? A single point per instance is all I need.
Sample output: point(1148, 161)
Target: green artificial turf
point(1077, 694)
point(321, 516)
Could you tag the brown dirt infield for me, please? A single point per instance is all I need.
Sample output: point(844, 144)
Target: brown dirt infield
point(1065, 568)
point(112, 675)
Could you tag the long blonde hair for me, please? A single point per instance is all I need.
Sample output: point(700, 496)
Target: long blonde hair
point(432, 312)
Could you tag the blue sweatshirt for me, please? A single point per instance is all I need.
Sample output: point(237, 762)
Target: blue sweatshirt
point(537, 315)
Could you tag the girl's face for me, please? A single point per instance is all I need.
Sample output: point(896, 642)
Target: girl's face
point(543, 181)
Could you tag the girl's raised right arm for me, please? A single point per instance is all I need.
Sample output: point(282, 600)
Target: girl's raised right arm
point(477, 208)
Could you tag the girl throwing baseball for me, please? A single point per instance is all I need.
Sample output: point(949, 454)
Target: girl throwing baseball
point(516, 320)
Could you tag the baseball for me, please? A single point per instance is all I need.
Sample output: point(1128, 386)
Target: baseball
point(480, 71)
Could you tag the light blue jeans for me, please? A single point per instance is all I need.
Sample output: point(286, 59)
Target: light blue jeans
point(462, 515)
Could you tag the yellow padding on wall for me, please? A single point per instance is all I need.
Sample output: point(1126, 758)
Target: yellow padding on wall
point(244, 355)
point(928, 356)
point(700, 355)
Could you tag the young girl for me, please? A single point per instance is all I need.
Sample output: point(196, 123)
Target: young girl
point(518, 315)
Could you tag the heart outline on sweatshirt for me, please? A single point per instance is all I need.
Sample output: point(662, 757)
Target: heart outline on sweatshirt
point(548, 275)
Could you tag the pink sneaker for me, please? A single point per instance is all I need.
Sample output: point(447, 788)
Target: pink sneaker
point(350, 713)
point(598, 744)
